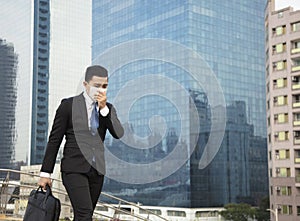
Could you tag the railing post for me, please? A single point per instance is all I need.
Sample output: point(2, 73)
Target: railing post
point(4, 194)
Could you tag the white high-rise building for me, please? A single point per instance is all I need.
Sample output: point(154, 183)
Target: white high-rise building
point(283, 110)
point(70, 49)
point(53, 43)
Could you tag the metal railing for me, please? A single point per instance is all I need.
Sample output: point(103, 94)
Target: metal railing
point(15, 187)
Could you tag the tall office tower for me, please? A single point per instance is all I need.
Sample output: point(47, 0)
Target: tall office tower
point(68, 25)
point(149, 47)
point(47, 72)
point(40, 80)
point(17, 27)
point(26, 24)
point(8, 100)
point(283, 113)
point(70, 50)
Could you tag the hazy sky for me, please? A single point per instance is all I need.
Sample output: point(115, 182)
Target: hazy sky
point(279, 4)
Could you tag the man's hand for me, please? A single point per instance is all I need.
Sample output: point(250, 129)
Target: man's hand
point(101, 99)
point(44, 181)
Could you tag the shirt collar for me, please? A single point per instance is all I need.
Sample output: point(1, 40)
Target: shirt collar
point(87, 98)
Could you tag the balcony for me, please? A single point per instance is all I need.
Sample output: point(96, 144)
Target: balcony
point(297, 140)
point(296, 86)
point(296, 123)
point(295, 68)
point(296, 104)
point(295, 50)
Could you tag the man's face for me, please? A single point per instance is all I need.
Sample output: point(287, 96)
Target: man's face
point(98, 82)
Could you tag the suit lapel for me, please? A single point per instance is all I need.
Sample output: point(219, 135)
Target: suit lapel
point(80, 112)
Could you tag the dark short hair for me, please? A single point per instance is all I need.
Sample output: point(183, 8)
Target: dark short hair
point(95, 70)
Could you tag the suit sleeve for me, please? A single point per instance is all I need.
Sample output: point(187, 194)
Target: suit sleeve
point(112, 122)
point(56, 135)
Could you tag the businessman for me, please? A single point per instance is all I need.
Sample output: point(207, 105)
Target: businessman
point(84, 121)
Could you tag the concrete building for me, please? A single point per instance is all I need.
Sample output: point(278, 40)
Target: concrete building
point(283, 114)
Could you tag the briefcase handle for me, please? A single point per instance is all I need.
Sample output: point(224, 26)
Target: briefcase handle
point(47, 194)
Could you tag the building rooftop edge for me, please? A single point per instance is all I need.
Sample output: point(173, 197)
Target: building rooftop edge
point(289, 8)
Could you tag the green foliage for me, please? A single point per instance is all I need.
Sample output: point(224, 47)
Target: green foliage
point(238, 212)
point(261, 213)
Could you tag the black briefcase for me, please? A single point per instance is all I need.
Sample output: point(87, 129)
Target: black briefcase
point(42, 206)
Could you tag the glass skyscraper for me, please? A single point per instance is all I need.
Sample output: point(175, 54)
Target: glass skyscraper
point(47, 72)
point(40, 81)
point(8, 100)
point(26, 24)
point(17, 28)
point(152, 47)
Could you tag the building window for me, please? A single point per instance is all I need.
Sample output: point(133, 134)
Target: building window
point(283, 172)
point(279, 65)
point(295, 47)
point(280, 100)
point(296, 119)
point(285, 209)
point(282, 154)
point(280, 30)
point(295, 82)
point(281, 118)
point(279, 83)
point(156, 211)
point(279, 48)
point(283, 190)
point(296, 26)
point(297, 175)
point(281, 136)
point(296, 100)
point(296, 64)
point(298, 210)
point(296, 137)
point(297, 156)
point(176, 213)
point(206, 213)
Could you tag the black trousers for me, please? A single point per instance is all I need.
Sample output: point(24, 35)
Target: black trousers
point(84, 190)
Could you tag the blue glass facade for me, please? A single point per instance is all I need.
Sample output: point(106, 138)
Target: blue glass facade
point(40, 84)
point(229, 36)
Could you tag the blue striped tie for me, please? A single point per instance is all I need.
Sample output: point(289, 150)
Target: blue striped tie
point(94, 120)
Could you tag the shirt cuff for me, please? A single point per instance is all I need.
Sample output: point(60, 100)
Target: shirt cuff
point(44, 174)
point(104, 111)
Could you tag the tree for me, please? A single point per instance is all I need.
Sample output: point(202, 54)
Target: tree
point(261, 213)
point(238, 212)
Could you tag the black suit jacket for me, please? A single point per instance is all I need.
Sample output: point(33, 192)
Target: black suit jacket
point(71, 121)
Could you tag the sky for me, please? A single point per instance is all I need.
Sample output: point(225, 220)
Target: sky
point(279, 4)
